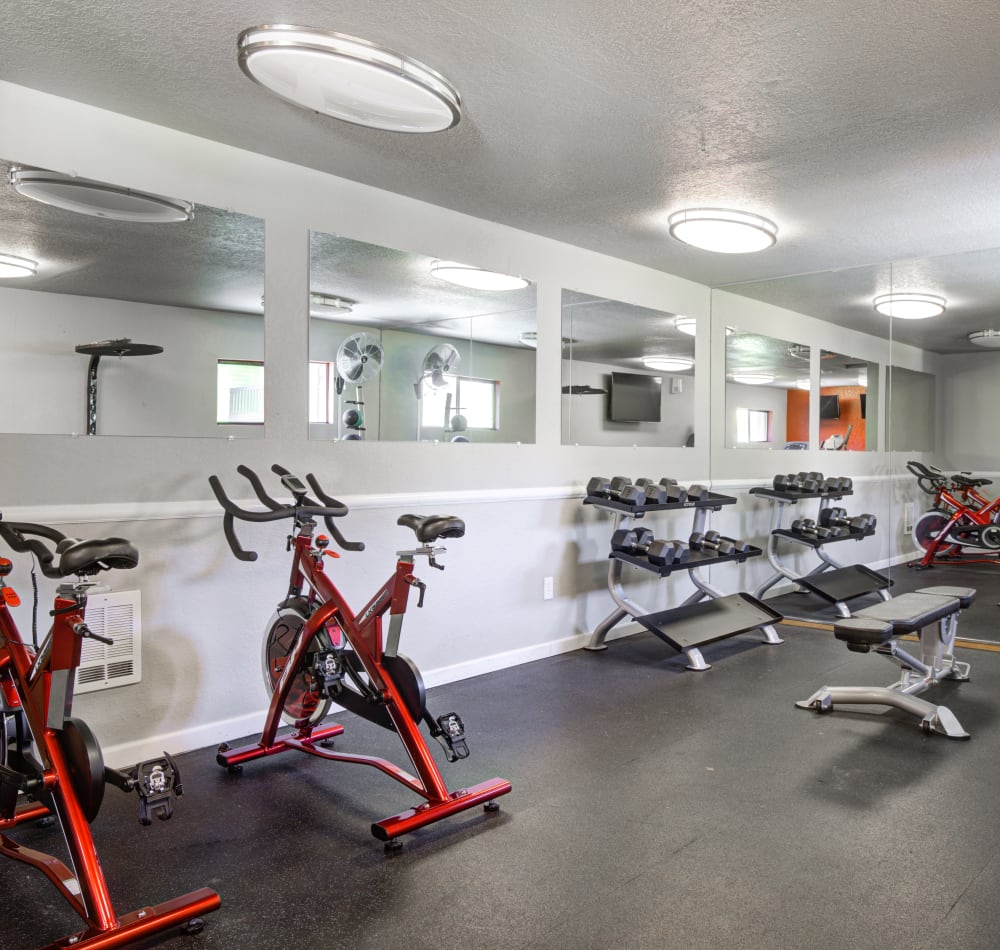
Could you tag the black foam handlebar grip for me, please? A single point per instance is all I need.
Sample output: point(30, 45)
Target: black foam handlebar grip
point(328, 519)
point(13, 533)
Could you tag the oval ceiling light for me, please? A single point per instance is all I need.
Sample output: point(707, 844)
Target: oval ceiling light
point(97, 198)
point(803, 384)
point(668, 364)
point(722, 230)
point(318, 301)
point(988, 338)
point(752, 379)
point(688, 325)
point(348, 78)
point(475, 277)
point(11, 266)
point(909, 306)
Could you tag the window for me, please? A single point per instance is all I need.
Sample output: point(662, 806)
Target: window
point(239, 392)
point(753, 425)
point(476, 399)
point(322, 391)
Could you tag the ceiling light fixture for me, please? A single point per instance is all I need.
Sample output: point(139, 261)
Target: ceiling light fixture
point(348, 78)
point(97, 198)
point(11, 266)
point(753, 379)
point(668, 364)
point(803, 384)
point(722, 230)
point(987, 338)
point(330, 302)
point(688, 325)
point(909, 306)
point(530, 338)
point(475, 278)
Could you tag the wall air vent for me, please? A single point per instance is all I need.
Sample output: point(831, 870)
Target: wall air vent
point(116, 615)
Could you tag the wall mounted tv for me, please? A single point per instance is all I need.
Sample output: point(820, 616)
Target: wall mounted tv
point(863, 406)
point(634, 398)
point(829, 407)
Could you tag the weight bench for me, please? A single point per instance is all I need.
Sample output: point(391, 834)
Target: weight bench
point(933, 614)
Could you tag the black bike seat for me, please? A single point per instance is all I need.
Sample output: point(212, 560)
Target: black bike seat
point(965, 481)
point(432, 527)
point(102, 554)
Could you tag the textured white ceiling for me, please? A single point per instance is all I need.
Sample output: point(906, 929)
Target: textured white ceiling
point(868, 129)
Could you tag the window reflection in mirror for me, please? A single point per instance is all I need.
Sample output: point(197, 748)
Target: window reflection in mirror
point(191, 287)
point(912, 407)
point(398, 354)
point(848, 403)
point(767, 392)
point(627, 374)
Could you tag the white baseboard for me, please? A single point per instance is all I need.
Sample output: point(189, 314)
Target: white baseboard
point(225, 730)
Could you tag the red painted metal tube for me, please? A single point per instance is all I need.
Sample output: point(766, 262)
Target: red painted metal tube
point(428, 813)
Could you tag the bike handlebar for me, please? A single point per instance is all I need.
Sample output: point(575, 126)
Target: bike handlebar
point(13, 532)
point(303, 507)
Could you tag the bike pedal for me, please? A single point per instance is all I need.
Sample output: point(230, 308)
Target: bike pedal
point(156, 783)
point(452, 736)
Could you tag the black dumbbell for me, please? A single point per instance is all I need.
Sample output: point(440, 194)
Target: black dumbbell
point(635, 541)
point(676, 494)
point(664, 553)
point(785, 482)
point(598, 487)
point(713, 541)
point(804, 526)
point(838, 518)
point(697, 493)
point(621, 489)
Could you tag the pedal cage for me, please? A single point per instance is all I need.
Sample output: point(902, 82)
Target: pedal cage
point(156, 783)
point(451, 734)
point(328, 671)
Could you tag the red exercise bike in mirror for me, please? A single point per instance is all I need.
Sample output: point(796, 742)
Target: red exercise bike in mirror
point(962, 525)
point(51, 766)
point(318, 651)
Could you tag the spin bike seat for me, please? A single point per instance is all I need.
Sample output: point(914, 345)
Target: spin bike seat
point(90, 557)
point(963, 481)
point(433, 527)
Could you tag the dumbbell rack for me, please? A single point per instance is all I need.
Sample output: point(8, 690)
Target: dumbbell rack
point(708, 614)
point(838, 583)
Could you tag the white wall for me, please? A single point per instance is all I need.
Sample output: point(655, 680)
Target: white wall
point(204, 611)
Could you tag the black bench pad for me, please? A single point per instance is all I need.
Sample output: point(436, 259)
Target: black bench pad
point(910, 613)
point(863, 631)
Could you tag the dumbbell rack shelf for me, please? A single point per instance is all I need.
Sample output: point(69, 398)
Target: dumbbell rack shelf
point(708, 615)
point(832, 581)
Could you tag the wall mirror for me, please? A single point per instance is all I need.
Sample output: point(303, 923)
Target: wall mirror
point(912, 410)
point(767, 391)
point(143, 315)
point(627, 374)
point(848, 402)
point(399, 353)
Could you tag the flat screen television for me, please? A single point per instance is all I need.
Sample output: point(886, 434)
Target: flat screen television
point(634, 398)
point(829, 407)
point(863, 401)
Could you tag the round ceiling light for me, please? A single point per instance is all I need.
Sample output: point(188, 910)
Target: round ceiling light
point(803, 384)
point(723, 231)
point(988, 338)
point(909, 306)
point(668, 364)
point(326, 302)
point(11, 266)
point(475, 277)
point(688, 325)
point(97, 198)
point(349, 78)
point(752, 379)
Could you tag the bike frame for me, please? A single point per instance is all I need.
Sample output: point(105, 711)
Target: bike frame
point(962, 514)
point(40, 686)
point(364, 632)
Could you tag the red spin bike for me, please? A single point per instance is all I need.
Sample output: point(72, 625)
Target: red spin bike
point(959, 517)
point(51, 766)
point(317, 651)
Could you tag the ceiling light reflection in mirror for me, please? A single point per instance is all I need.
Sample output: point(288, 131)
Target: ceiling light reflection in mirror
point(627, 374)
point(455, 364)
point(766, 407)
point(192, 287)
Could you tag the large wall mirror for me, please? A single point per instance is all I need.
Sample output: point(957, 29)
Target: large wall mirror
point(627, 374)
point(399, 352)
point(143, 316)
point(767, 391)
point(849, 386)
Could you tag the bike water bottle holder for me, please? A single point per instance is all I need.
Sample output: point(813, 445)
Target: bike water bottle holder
point(451, 735)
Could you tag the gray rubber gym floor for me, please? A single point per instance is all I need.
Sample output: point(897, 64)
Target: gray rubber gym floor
point(652, 808)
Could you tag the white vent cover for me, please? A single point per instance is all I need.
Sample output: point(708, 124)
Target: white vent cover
point(116, 615)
